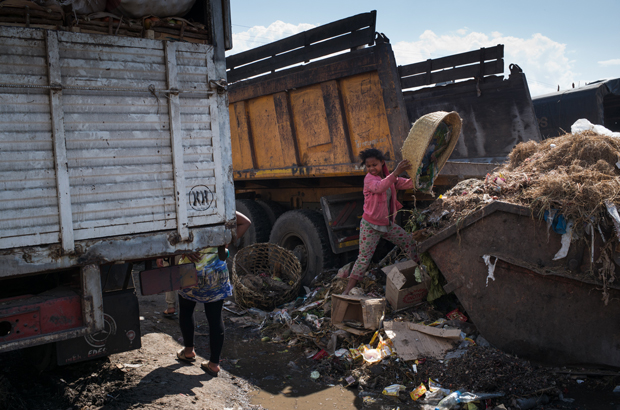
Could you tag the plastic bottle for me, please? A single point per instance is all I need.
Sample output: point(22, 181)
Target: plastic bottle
point(450, 401)
point(258, 312)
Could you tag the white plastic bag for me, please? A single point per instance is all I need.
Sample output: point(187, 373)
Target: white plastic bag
point(582, 125)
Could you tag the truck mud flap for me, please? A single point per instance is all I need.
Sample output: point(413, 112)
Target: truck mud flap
point(342, 216)
point(120, 334)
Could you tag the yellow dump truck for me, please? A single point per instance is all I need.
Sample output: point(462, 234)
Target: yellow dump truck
point(297, 128)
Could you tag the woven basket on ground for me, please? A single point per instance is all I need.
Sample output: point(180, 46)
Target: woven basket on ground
point(261, 263)
point(421, 135)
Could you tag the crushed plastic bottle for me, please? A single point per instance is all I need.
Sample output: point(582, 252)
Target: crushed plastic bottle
point(258, 312)
point(468, 397)
point(450, 401)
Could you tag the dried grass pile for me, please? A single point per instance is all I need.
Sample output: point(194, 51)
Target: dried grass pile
point(576, 174)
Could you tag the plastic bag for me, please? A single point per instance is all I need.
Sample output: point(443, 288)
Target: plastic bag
point(582, 125)
point(418, 392)
point(393, 390)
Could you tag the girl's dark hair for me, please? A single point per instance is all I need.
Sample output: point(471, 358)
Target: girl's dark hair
point(371, 153)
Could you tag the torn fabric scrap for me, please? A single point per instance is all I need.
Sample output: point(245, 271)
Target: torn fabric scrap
point(487, 261)
point(566, 238)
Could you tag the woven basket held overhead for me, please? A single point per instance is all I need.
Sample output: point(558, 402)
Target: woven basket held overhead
point(265, 275)
point(438, 131)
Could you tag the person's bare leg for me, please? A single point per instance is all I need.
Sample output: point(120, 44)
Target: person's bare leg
point(171, 302)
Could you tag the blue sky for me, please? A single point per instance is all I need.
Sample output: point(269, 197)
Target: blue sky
point(554, 42)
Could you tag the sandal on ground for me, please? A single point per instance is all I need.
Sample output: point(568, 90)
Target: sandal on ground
point(205, 366)
point(181, 356)
point(168, 315)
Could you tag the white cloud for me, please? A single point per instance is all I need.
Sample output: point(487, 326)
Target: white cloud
point(607, 63)
point(260, 35)
point(543, 60)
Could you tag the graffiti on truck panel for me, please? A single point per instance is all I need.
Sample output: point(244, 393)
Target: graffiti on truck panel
point(200, 198)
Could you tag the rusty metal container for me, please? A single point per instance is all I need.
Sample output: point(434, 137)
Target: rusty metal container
point(536, 308)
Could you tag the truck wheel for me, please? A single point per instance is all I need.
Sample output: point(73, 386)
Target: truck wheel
point(41, 357)
point(259, 230)
point(303, 232)
point(272, 209)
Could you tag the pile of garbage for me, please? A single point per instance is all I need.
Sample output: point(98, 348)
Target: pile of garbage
point(572, 182)
point(574, 173)
point(428, 356)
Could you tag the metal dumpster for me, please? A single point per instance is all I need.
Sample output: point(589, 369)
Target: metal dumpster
point(537, 308)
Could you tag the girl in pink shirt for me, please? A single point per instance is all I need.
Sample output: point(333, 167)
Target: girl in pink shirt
point(380, 207)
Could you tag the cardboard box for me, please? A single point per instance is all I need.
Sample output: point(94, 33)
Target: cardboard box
point(402, 290)
point(363, 309)
point(413, 341)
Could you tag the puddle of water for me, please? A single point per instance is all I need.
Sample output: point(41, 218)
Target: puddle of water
point(331, 398)
point(282, 384)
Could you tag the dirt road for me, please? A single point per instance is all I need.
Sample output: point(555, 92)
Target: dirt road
point(255, 375)
point(152, 378)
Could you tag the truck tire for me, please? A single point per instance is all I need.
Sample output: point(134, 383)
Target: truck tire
point(259, 230)
point(273, 210)
point(303, 232)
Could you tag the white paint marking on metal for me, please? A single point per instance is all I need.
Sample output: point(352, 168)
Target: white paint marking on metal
point(220, 124)
point(176, 136)
point(92, 298)
point(60, 148)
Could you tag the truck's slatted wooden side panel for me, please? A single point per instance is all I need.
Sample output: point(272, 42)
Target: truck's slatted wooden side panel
point(318, 42)
point(28, 201)
point(198, 149)
point(118, 142)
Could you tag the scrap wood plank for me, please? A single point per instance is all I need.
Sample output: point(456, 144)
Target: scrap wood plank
point(411, 344)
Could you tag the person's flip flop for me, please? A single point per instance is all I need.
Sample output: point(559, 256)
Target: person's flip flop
point(167, 315)
point(205, 366)
point(181, 356)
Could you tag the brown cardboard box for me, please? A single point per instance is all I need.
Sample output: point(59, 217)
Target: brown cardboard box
point(402, 290)
point(413, 341)
point(363, 309)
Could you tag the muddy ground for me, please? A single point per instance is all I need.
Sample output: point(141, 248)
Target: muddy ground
point(260, 374)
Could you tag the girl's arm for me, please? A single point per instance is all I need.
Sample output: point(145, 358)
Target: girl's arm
point(404, 183)
point(376, 185)
point(243, 224)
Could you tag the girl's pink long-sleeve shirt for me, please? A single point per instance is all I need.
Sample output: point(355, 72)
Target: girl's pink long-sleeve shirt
point(375, 197)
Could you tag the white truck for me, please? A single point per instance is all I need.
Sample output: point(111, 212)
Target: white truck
point(113, 149)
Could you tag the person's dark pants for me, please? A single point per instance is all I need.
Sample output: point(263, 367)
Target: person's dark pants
point(213, 311)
